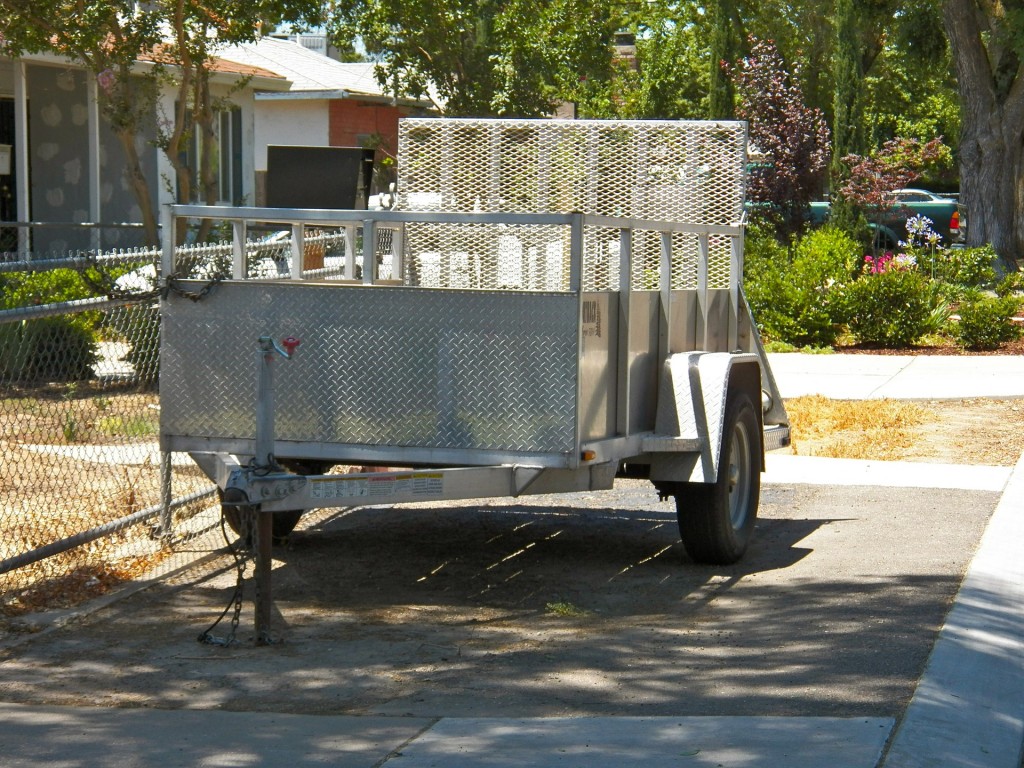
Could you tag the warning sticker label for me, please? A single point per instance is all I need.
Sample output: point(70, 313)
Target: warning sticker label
point(425, 484)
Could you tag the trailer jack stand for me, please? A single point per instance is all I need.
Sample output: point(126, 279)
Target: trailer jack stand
point(264, 563)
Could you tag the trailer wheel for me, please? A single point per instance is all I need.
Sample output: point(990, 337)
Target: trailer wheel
point(241, 520)
point(285, 521)
point(716, 520)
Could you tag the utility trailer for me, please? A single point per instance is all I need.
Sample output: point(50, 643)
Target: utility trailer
point(550, 305)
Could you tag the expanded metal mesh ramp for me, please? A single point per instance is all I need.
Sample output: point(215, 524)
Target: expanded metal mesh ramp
point(682, 171)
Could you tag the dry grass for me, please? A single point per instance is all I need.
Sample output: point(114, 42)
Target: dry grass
point(844, 429)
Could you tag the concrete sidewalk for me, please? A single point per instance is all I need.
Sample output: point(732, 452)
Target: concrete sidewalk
point(903, 377)
point(137, 738)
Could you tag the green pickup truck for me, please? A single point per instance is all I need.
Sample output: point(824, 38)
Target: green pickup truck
point(945, 214)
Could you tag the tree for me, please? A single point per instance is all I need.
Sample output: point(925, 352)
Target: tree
point(178, 38)
point(108, 39)
point(848, 102)
point(871, 180)
point(793, 137)
point(481, 58)
point(723, 50)
point(987, 41)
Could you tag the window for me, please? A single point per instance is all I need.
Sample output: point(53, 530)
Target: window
point(227, 126)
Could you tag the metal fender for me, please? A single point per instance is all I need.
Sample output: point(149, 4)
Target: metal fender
point(692, 395)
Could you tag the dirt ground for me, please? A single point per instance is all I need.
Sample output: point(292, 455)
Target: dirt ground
point(983, 431)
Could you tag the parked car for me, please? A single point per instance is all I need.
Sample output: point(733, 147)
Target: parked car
point(891, 227)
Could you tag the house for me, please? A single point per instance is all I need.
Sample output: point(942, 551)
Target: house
point(65, 170)
point(328, 104)
point(66, 166)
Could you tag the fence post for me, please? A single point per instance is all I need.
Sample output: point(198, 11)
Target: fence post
point(167, 241)
point(166, 497)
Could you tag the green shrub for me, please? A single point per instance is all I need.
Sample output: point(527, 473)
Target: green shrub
point(964, 267)
point(50, 349)
point(832, 252)
point(1011, 284)
point(26, 289)
point(795, 298)
point(894, 308)
point(986, 323)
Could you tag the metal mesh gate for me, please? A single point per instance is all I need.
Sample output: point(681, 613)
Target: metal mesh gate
point(690, 172)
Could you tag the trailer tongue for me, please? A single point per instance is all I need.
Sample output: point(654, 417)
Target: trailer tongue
point(551, 305)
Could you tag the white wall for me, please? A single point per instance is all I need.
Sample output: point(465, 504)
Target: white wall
point(290, 122)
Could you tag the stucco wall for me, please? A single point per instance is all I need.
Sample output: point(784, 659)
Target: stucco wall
point(290, 122)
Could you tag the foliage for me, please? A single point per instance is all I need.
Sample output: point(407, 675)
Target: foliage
point(670, 78)
point(848, 93)
point(896, 165)
point(873, 179)
point(795, 296)
point(966, 267)
point(793, 137)
point(178, 40)
point(892, 305)
point(987, 45)
point(723, 44)
point(1010, 284)
point(48, 349)
point(986, 322)
point(512, 58)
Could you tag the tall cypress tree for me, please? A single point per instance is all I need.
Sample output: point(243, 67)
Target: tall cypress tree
point(847, 104)
point(723, 48)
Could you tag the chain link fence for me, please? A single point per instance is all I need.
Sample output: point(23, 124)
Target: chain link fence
point(85, 494)
point(87, 499)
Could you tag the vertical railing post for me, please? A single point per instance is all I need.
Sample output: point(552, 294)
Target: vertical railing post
point(575, 252)
point(398, 252)
point(369, 251)
point(350, 252)
point(702, 290)
point(665, 345)
point(238, 235)
point(735, 280)
point(622, 416)
point(167, 242)
point(298, 250)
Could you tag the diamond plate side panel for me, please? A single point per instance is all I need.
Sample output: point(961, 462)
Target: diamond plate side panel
point(377, 366)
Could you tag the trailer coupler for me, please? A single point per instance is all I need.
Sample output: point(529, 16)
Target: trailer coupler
point(257, 485)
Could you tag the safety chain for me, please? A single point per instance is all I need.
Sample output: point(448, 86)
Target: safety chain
point(102, 283)
point(242, 555)
point(173, 286)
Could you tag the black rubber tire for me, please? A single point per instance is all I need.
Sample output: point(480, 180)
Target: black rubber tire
point(285, 521)
point(716, 520)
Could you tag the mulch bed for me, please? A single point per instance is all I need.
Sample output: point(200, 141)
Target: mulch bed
point(1015, 347)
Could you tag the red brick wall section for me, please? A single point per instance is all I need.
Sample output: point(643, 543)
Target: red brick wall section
point(350, 119)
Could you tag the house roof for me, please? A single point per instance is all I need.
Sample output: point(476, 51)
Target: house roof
point(261, 77)
point(312, 74)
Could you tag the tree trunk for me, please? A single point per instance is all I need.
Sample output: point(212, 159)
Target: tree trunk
point(137, 182)
point(991, 153)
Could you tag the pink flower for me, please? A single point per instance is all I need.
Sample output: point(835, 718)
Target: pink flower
point(106, 79)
